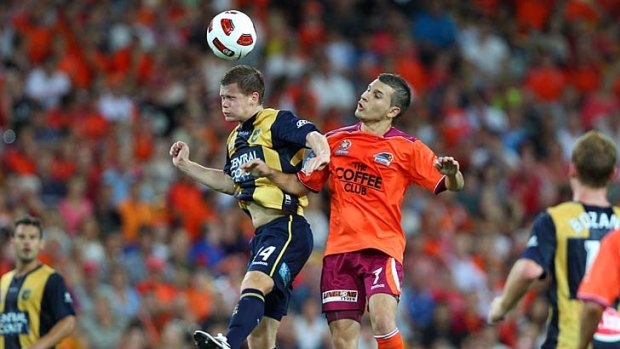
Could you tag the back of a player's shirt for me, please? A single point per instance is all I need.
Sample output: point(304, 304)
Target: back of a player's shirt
point(368, 177)
point(278, 138)
point(564, 242)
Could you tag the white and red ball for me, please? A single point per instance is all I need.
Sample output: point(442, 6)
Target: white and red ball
point(231, 35)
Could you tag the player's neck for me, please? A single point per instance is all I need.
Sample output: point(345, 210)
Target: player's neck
point(22, 269)
point(255, 111)
point(590, 196)
point(377, 127)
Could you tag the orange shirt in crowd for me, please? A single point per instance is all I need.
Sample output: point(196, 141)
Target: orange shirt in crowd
point(134, 214)
point(533, 14)
point(579, 9)
point(187, 203)
point(18, 162)
point(547, 83)
point(586, 78)
point(38, 39)
point(368, 176)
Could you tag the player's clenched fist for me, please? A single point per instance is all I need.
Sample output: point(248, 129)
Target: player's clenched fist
point(446, 165)
point(180, 153)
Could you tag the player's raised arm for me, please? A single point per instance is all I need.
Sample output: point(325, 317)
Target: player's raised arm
point(320, 147)
point(213, 178)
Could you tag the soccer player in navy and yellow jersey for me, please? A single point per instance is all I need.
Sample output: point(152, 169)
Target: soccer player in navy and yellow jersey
point(283, 241)
point(565, 240)
point(36, 309)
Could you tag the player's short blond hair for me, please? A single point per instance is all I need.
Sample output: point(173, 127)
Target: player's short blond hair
point(594, 158)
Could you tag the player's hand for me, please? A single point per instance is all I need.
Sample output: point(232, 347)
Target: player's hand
point(446, 165)
point(180, 154)
point(256, 168)
point(497, 312)
point(318, 162)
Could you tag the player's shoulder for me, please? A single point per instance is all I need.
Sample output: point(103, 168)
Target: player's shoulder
point(343, 131)
point(565, 208)
point(46, 270)
point(399, 135)
point(8, 275)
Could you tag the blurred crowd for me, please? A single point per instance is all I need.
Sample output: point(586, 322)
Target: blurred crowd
point(94, 92)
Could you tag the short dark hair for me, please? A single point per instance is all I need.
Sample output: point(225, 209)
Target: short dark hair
point(28, 220)
point(249, 80)
point(594, 158)
point(401, 97)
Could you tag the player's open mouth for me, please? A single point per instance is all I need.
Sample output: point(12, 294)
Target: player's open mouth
point(360, 106)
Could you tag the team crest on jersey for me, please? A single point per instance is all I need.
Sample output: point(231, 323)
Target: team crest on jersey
point(254, 136)
point(384, 158)
point(26, 294)
point(343, 148)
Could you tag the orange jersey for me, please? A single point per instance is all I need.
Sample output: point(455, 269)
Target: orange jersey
point(368, 176)
point(601, 284)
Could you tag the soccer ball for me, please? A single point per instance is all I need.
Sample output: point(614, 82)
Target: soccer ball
point(231, 35)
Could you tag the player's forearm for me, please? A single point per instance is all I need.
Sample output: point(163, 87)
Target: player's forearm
point(455, 182)
point(590, 316)
point(318, 143)
point(287, 182)
point(62, 329)
point(212, 178)
point(520, 278)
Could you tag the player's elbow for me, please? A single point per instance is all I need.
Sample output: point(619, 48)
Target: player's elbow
point(592, 310)
point(69, 323)
point(528, 269)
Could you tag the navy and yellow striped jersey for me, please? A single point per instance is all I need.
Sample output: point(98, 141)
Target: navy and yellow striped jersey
point(564, 242)
point(277, 137)
point(31, 305)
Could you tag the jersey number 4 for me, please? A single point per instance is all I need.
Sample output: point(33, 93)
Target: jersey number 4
point(265, 252)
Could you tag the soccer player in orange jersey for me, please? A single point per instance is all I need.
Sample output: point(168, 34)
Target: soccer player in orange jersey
point(600, 291)
point(372, 164)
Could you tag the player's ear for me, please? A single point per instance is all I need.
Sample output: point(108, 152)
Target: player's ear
point(393, 112)
point(255, 97)
point(572, 171)
point(614, 174)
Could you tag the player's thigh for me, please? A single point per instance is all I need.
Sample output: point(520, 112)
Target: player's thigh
point(264, 335)
point(257, 280)
point(382, 283)
point(280, 249)
point(345, 333)
point(384, 274)
point(382, 312)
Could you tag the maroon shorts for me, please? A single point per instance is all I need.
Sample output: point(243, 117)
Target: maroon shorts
point(349, 279)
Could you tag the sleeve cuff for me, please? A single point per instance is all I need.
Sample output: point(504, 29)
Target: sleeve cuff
point(593, 298)
point(315, 190)
point(441, 186)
